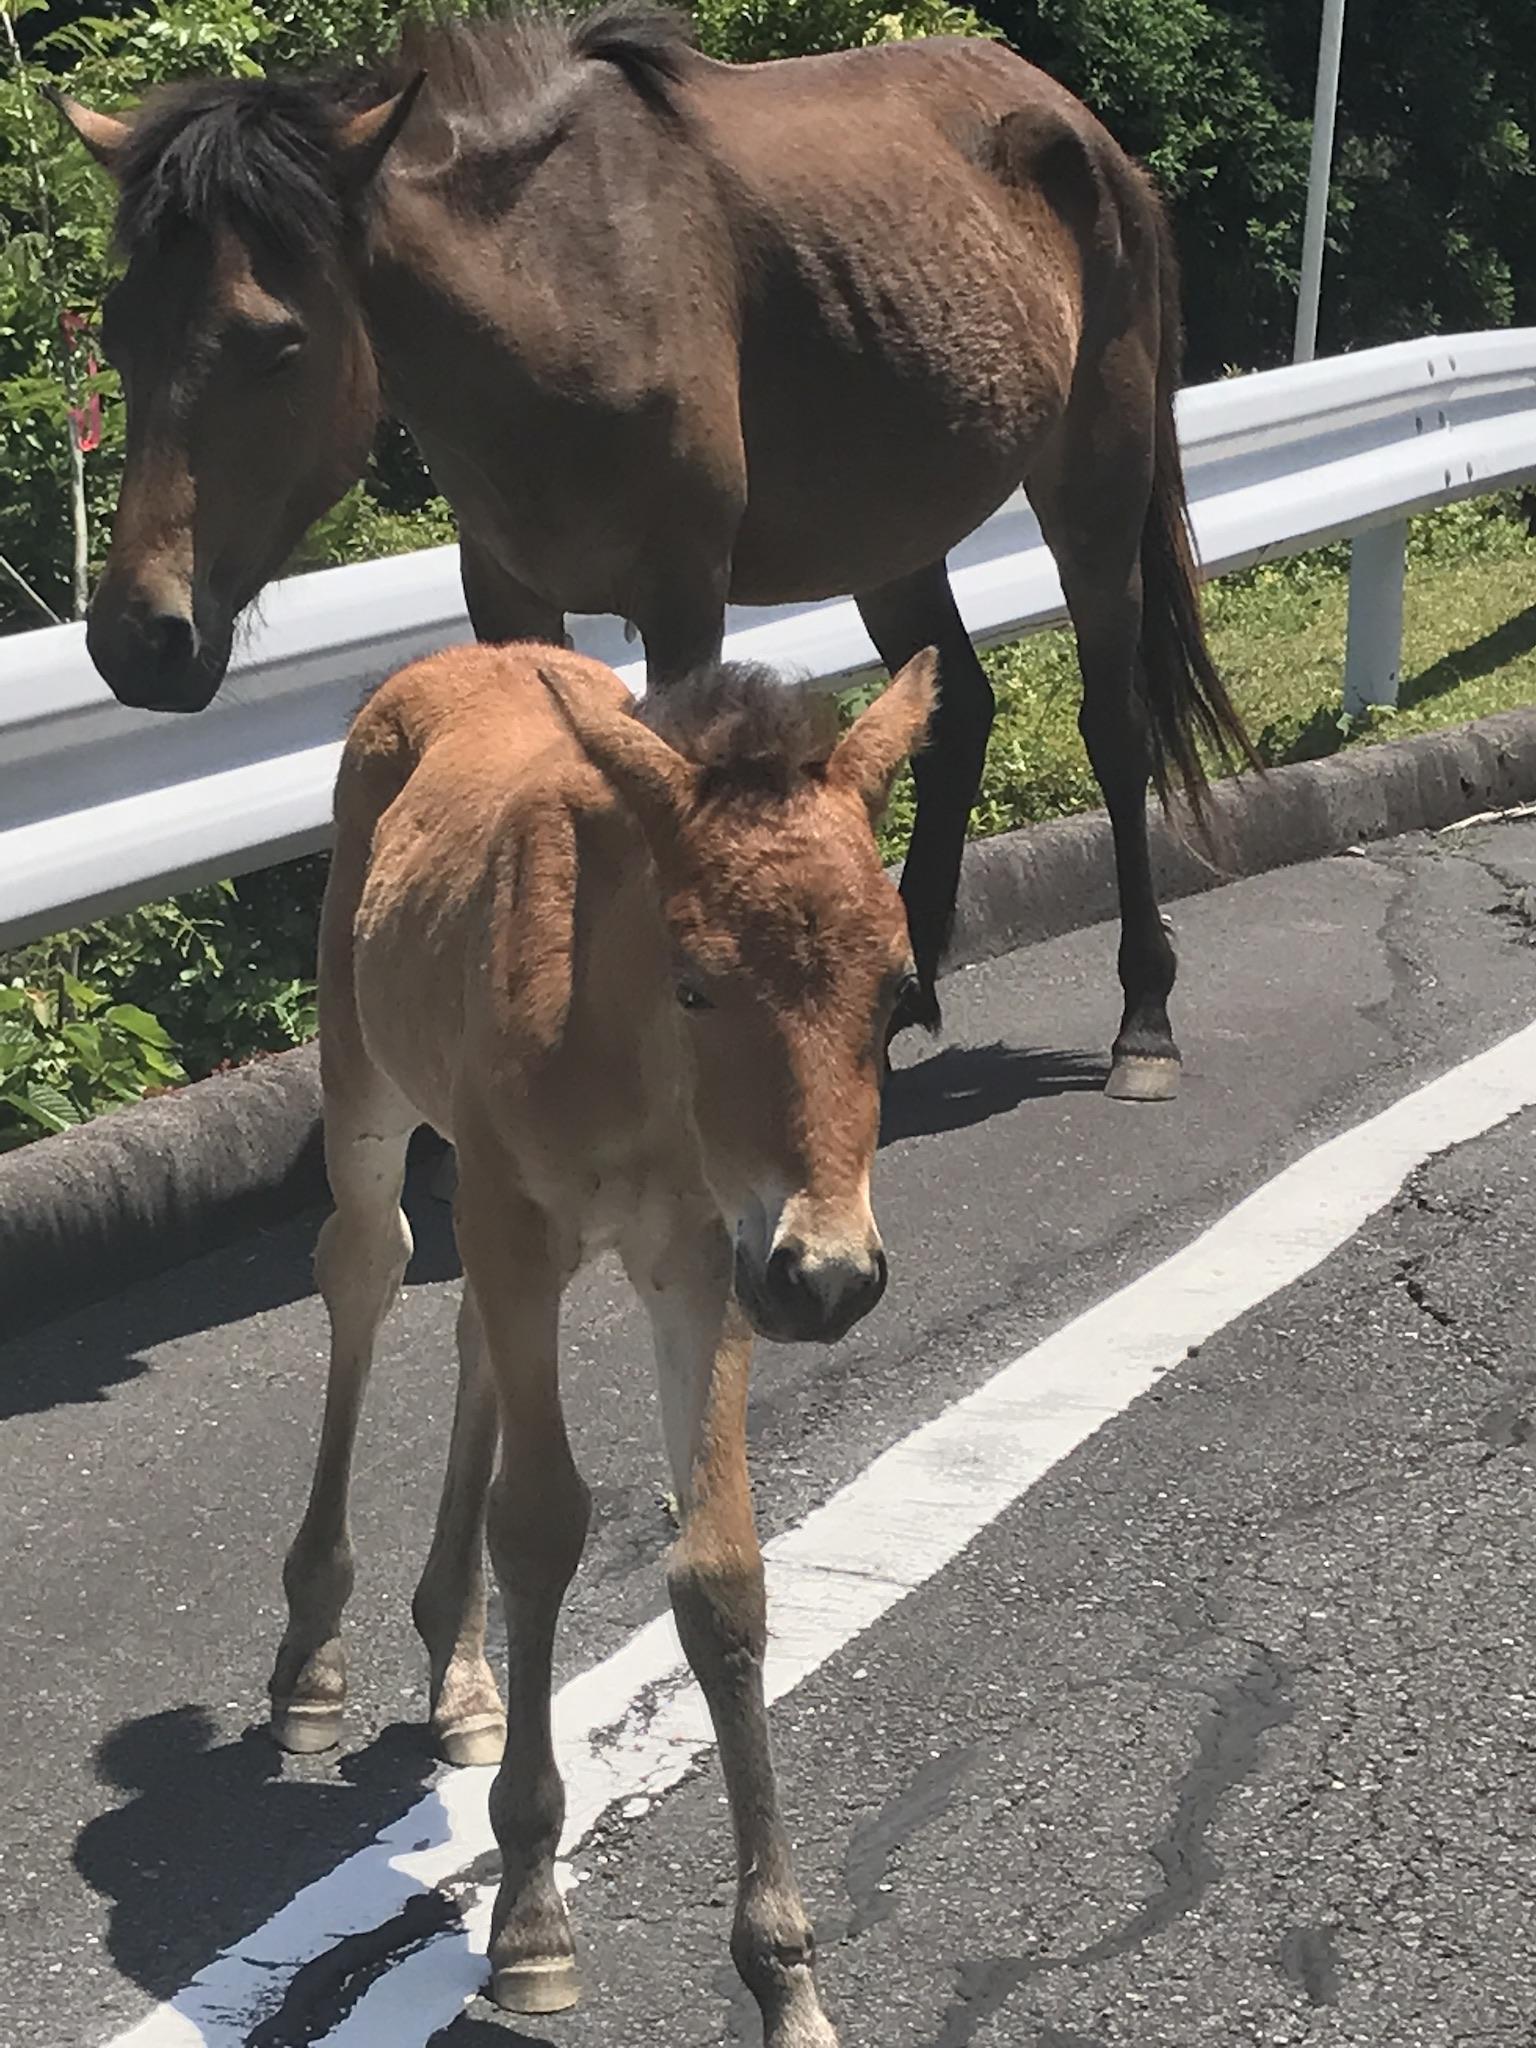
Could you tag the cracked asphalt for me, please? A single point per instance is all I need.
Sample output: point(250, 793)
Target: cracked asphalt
point(1225, 1733)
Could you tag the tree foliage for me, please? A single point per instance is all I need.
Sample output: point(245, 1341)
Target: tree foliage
point(1433, 222)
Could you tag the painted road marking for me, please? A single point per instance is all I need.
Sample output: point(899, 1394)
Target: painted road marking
point(633, 1726)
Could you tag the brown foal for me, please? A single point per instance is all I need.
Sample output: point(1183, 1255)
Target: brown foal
point(561, 931)
point(669, 331)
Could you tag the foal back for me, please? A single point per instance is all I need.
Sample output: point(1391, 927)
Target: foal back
point(481, 865)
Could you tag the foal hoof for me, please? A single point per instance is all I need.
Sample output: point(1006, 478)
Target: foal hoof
point(305, 1728)
point(1136, 1078)
point(478, 1739)
point(541, 1985)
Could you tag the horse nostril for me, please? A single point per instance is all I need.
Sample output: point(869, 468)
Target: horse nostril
point(170, 639)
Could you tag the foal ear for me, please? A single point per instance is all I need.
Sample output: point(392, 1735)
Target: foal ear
point(104, 135)
point(363, 141)
point(652, 777)
point(881, 738)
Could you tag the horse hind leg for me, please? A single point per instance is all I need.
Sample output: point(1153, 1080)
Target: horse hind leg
point(469, 1723)
point(1091, 496)
point(903, 618)
point(359, 1262)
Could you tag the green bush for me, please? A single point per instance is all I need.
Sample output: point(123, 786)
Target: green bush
point(1433, 220)
point(67, 1052)
point(158, 996)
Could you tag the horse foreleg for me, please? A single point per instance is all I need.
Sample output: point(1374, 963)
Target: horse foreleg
point(536, 1525)
point(359, 1261)
point(903, 618)
point(715, 1578)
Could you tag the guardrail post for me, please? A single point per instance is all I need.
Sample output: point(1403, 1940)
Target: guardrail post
point(1374, 649)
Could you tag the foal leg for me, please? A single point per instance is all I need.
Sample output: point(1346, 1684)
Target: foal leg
point(469, 1725)
point(359, 1261)
point(536, 1525)
point(902, 618)
point(715, 1577)
point(1091, 499)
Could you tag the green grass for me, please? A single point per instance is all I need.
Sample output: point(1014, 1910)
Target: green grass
point(1469, 648)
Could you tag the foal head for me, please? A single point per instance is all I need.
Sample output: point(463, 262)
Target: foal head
point(788, 951)
point(250, 383)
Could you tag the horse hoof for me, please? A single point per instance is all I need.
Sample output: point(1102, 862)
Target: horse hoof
point(478, 1739)
point(917, 1009)
point(304, 1729)
point(1136, 1078)
point(541, 1985)
point(444, 1180)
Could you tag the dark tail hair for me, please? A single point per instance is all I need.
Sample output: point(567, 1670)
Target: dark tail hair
point(1186, 699)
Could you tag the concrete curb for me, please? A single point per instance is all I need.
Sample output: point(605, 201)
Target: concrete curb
point(1049, 879)
point(84, 1213)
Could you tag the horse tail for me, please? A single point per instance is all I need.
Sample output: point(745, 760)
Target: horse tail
point(1187, 701)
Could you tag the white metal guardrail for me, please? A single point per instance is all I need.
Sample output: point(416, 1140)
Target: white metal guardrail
point(102, 808)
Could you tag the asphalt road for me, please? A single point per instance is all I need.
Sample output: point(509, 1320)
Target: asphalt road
point(1224, 1733)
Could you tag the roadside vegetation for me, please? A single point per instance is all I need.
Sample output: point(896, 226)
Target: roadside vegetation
point(175, 991)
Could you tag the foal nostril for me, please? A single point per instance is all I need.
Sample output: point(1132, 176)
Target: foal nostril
point(879, 1274)
point(825, 1293)
point(786, 1273)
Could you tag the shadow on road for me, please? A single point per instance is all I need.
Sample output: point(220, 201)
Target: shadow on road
point(967, 1084)
point(217, 1836)
point(84, 1356)
point(473, 2030)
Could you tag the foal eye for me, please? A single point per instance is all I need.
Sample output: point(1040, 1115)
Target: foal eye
point(692, 998)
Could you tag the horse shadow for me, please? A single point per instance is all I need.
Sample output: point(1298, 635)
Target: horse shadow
point(965, 1085)
point(218, 1835)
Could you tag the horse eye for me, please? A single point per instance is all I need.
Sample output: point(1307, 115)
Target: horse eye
point(908, 989)
point(692, 998)
point(284, 353)
point(266, 350)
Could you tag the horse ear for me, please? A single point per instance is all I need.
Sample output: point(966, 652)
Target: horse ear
point(652, 777)
point(104, 135)
point(880, 739)
point(364, 140)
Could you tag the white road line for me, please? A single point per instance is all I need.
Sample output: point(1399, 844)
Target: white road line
point(632, 1727)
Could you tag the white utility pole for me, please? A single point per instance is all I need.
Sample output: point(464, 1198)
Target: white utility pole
point(1325, 106)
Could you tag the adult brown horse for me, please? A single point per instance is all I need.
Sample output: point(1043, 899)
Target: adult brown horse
point(670, 331)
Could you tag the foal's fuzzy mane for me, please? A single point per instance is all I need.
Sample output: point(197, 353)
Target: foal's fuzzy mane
point(749, 731)
point(254, 153)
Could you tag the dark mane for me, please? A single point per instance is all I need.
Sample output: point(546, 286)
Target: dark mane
point(474, 63)
point(751, 732)
point(254, 154)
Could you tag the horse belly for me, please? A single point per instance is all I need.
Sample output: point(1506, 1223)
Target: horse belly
point(888, 410)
